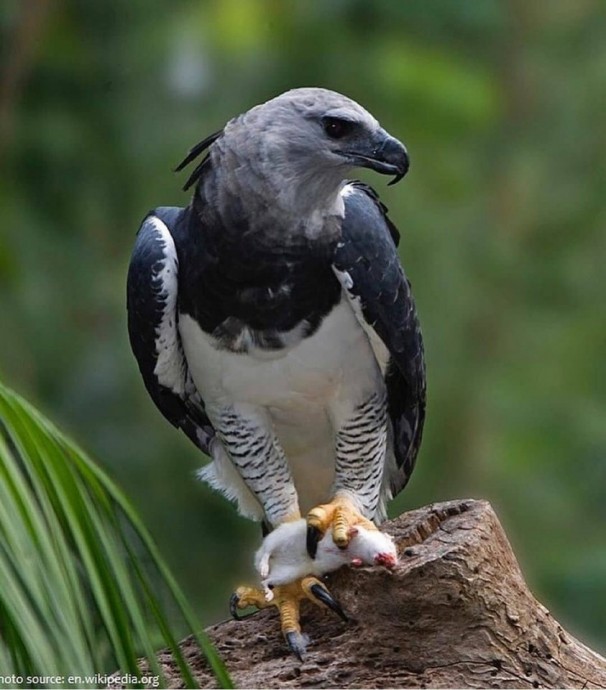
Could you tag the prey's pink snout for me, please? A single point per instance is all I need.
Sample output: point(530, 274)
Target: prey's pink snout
point(388, 560)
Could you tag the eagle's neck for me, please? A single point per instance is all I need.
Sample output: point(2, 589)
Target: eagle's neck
point(282, 208)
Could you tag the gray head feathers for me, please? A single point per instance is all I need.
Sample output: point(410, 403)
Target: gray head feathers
point(284, 162)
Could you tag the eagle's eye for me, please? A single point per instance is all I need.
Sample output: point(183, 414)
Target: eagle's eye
point(336, 128)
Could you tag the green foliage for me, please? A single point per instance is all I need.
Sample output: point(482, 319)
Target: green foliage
point(74, 597)
point(500, 103)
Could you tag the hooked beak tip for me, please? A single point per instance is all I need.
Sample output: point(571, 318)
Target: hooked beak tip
point(390, 157)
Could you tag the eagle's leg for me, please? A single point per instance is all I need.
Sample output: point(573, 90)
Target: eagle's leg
point(287, 599)
point(247, 435)
point(360, 450)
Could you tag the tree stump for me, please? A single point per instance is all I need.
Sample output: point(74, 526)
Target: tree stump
point(456, 612)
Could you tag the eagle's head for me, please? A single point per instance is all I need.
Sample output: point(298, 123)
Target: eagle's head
point(298, 148)
point(311, 132)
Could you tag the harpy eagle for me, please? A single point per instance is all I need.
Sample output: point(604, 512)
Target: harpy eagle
point(273, 323)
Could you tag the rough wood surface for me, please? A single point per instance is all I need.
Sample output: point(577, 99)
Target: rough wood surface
point(455, 613)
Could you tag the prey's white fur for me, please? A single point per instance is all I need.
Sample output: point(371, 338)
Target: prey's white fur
point(283, 556)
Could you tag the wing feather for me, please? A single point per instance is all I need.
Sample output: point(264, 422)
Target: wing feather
point(367, 264)
point(152, 301)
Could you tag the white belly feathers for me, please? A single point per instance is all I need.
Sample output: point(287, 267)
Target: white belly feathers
point(307, 374)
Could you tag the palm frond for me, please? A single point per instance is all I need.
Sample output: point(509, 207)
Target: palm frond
point(75, 599)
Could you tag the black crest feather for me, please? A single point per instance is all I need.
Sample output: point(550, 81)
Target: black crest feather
point(194, 152)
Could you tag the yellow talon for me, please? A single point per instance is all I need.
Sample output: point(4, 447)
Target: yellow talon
point(287, 599)
point(243, 598)
point(342, 514)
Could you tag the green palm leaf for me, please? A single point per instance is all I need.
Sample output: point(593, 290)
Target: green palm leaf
point(75, 599)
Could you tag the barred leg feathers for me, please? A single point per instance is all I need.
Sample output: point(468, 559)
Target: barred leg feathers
point(246, 434)
point(222, 476)
point(390, 470)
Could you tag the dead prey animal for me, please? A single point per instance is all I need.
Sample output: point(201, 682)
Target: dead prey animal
point(283, 556)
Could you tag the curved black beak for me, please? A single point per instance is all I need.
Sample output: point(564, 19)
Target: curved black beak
point(386, 155)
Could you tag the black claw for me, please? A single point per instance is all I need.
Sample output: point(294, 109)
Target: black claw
point(323, 595)
point(313, 537)
point(296, 644)
point(233, 608)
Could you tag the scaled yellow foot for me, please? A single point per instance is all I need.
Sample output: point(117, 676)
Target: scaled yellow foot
point(287, 599)
point(342, 515)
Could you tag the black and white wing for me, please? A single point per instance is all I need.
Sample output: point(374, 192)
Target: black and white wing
point(367, 265)
point(152, 301)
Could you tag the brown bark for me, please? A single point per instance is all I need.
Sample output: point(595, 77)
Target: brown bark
point(455, 613)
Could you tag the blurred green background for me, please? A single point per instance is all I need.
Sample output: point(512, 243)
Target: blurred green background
point(502, 107)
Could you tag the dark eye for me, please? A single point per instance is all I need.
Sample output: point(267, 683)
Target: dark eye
point(336, 128)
